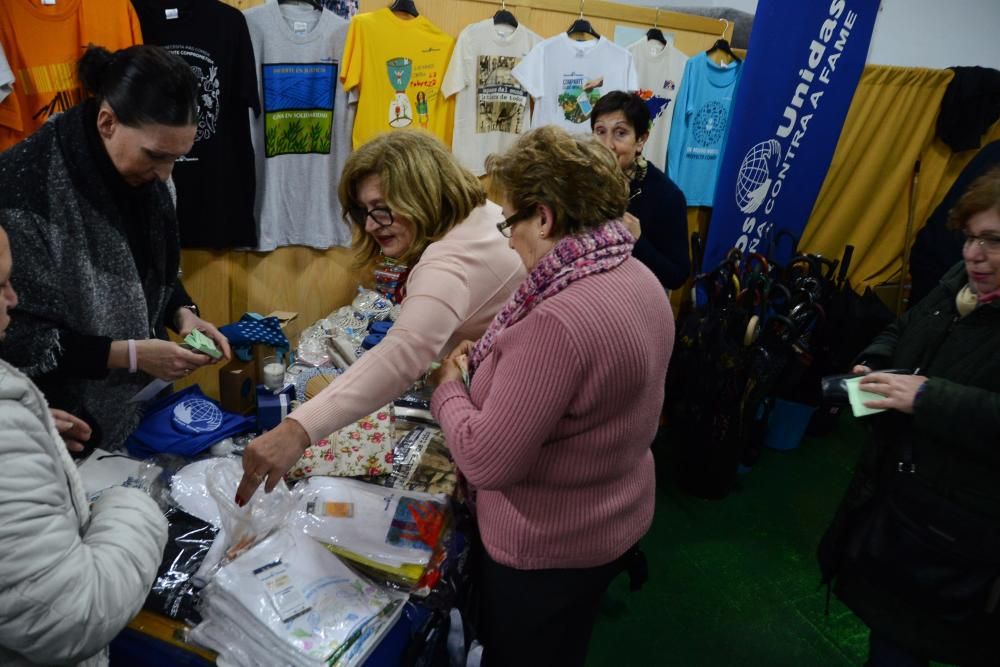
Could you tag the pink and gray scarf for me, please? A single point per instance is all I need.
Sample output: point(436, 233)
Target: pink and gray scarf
point(572, 258)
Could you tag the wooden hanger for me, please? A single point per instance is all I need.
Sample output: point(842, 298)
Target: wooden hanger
point(722, 45)
point(655, 33)
point(581, 26)
point(406, 7)
point(504, 17)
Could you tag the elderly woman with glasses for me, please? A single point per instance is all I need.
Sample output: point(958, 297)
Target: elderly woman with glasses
point(915, 546)
point(553, 434)
point(408, 199)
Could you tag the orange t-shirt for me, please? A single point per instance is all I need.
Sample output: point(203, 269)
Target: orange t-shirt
point(43, 43)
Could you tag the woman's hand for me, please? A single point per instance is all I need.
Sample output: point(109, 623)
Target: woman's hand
point(74, 431)
point(452, 368)
point(899, 390)
point(270, 456)
point(166, 360)
point(632, 224)
point(463, 348)
point(861, 370)
point(186, 322)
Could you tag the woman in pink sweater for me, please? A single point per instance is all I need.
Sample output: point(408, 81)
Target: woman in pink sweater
point(553, 432)
point(408, 199)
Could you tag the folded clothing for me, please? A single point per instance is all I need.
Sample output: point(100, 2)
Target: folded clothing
point(173, 593)
point(361, 448)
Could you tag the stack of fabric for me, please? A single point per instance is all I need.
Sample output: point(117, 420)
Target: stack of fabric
point(289, 601)
point(390, 531)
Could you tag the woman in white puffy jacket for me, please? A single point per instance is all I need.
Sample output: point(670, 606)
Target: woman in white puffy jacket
point(72, 575)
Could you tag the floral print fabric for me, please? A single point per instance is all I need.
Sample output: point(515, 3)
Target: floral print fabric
point(363, 448)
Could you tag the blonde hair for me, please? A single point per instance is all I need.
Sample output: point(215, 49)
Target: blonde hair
point(574, 175)
point(982, 195)
point(420, 180)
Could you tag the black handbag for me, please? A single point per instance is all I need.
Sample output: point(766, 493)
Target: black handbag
point(929, 551)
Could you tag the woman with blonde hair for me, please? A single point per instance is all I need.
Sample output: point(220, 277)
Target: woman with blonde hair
point(412, 201)
point(554, 432)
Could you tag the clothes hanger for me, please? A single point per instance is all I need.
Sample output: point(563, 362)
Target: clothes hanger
point(315, 4)
point(406, 7)
point(582, 26)
point(655, 33)
point(722, 45)
point(504, 17)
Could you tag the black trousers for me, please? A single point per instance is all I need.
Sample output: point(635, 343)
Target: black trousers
point(540, 617)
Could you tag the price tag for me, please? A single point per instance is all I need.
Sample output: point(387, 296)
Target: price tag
point(286, 598)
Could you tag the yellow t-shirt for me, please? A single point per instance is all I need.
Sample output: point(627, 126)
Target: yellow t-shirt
point(397, 66)
point(43, 44)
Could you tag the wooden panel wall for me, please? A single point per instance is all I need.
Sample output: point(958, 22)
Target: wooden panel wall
point(314, 282)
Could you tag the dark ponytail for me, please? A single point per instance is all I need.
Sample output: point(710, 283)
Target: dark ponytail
point(142, 84)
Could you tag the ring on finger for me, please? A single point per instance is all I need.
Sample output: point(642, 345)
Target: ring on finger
point(257, 477)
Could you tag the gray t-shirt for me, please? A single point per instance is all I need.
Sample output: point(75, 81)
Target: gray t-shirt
point(303, 134)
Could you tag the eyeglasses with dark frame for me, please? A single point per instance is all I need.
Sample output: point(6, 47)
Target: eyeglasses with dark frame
point(990, 243)
point(382, 216)
point(523, 214)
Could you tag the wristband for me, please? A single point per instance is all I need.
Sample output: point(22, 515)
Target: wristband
point(133, 364)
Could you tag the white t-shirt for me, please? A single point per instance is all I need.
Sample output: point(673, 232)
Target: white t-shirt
point(660, 69)
point(567, 77)
point(492, 108)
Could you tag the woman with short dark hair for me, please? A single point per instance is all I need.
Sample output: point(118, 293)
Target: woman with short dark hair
point(91, 220)
point(553, 434)
point(657, 211)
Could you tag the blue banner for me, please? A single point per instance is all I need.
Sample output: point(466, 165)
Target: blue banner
point(803, 63)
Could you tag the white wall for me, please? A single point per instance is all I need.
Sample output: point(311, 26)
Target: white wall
point(912, 33)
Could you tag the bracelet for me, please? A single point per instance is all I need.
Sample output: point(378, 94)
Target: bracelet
point(133, 362)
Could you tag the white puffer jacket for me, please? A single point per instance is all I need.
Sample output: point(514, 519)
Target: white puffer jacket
point(71, 576)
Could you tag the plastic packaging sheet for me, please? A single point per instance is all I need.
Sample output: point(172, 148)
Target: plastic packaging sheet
point(420, 460)
point(174, 593)
point(290, 601)
point(383, 526)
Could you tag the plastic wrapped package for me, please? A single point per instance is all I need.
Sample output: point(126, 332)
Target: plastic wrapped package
point(312, 349)
point(420, 459)
point(372, 304)
point(175, 593)
point(388, 529)
point(288, 600)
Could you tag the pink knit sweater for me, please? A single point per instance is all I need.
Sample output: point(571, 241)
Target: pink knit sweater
point(452, 294)
point(555, 436)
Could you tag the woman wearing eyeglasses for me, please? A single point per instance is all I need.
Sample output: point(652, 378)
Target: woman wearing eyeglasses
point(554, 432)
point(657, 210)
point(410, 200)
point(915, 546)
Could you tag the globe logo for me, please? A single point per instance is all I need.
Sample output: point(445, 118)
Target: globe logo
point(754, 178)
point(709, 125)
point(197, 415)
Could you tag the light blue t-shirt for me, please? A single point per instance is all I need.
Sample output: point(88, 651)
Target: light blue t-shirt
point(700, 126)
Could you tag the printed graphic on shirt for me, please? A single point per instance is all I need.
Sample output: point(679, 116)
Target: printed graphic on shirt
point(207, 73)
point(402, 75)
point(500, 99)
point(416, 524)
point(59, 78)
point(579, 96)
point(298, 107)
point(657, 105)
point(710, 122)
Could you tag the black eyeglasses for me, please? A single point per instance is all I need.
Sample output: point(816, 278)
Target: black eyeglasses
point(505, 226)
point(988, 242)
point(380, 214)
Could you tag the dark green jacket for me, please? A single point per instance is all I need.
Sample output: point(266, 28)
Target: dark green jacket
point(955, 435)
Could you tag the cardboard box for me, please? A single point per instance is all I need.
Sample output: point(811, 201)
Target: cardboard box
point(237, 380)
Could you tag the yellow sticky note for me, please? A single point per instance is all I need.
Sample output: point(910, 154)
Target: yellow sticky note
point(859, 397)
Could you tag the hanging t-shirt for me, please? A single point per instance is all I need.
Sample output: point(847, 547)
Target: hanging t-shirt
point(491, 108)
point(567, 77)
point(43, 44)
point(215, 181)
point(660, 69)
point(700, 126)
point(302, 138)
point(397, 66)
point(6, 76)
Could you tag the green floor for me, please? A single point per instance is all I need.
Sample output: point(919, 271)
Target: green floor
point(735, 582)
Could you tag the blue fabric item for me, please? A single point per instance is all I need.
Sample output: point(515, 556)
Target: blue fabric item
point(371, 340)
point(381, 327)
point(252, 329)
point(184, 423)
